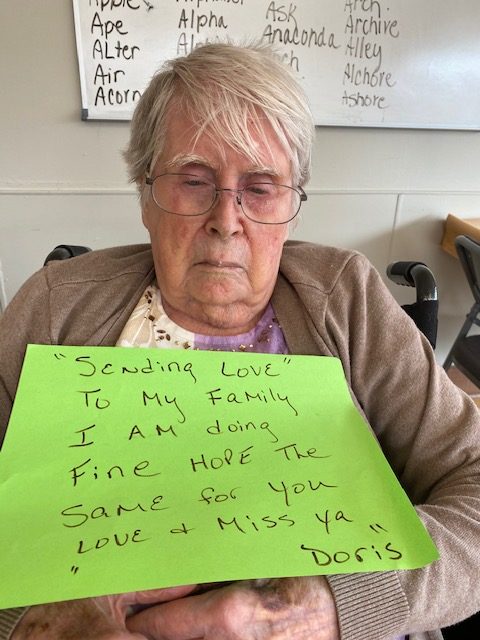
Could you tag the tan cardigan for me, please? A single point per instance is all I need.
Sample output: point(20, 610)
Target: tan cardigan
point(328, 302)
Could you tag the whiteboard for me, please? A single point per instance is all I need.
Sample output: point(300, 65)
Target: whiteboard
point(373, 63)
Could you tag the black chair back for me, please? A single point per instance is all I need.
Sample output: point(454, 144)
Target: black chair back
point(465, 351)
point(468, 251)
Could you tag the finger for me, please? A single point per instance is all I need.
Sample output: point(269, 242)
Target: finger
point(123, 604)
point(175, 620)
point(162, 595)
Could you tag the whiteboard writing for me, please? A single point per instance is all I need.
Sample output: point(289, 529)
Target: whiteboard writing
point(399, 63)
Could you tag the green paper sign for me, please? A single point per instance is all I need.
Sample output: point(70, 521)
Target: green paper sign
point(130, 469)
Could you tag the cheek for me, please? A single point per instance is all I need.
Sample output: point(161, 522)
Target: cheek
point(175, 245)
point(266, 253)
point(169, 234)
point(271, 242)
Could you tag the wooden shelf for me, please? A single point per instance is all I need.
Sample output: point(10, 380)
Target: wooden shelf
point(454, 227)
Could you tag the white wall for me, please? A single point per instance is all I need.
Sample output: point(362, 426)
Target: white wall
point(385, 192)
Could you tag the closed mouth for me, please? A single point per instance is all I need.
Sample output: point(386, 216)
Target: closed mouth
point(220, 264)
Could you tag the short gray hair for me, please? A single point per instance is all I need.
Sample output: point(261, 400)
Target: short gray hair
point(227, 89)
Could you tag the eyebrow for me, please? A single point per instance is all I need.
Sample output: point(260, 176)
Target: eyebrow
point(183, 159)
point(271, 171)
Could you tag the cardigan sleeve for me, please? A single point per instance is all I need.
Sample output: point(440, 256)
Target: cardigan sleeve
point(429, 431)
point(9, 618)
point(25, 320)
point(84, 300)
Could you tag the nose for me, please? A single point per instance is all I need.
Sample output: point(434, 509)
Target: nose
point(226, 217)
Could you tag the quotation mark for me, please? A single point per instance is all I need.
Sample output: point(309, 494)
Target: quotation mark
point(287, 360)
point(59, 356)
point(74, 570)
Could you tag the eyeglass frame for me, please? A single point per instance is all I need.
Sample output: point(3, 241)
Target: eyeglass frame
point(218, 190)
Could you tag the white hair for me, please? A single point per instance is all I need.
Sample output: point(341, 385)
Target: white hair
point(229, 91)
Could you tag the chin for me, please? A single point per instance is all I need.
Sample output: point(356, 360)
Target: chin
point(228, 319)
point(222, 293)
point(225, 309)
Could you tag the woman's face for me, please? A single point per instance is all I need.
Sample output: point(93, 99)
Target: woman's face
point(216, 272)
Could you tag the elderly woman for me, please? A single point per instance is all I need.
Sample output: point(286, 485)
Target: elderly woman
point(220, 151)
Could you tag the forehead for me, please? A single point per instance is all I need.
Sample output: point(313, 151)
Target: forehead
point(183, 143)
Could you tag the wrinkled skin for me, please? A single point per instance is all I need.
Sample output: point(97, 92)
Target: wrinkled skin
point(100, 618)
point(281, 609)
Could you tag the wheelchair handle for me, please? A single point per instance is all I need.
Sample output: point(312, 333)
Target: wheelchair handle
point(414, 274)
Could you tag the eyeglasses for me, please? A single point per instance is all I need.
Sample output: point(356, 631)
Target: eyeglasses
point(188, 195)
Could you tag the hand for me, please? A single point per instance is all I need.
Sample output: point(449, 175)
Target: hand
point(281, 609)
point(92, 618)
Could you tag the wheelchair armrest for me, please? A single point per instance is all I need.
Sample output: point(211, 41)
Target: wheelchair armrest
point(414, 274)
point(65, 251)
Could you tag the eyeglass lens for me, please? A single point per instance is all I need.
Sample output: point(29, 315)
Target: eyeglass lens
point(190, 195)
